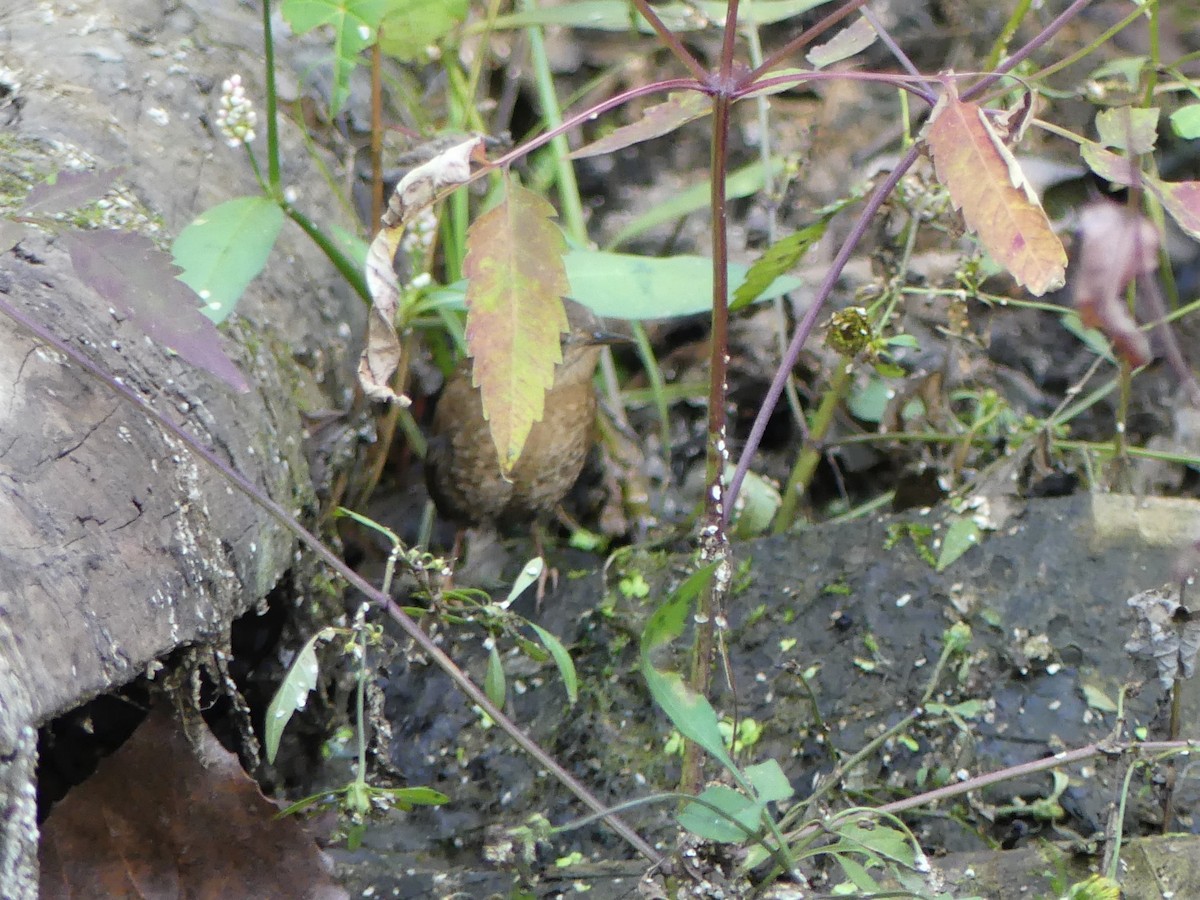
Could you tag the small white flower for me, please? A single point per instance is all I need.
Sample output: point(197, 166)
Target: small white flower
point(236, 117)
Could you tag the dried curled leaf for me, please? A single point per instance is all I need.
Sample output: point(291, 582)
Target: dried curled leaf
point(985, 181)
point(1115, 247)
point(1166, 632)
point(418, 189)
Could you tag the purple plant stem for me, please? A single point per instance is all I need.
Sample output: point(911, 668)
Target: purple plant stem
point(806, 324)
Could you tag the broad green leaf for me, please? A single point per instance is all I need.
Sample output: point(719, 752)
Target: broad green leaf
point(741, 183)
point(515, 314)
point(622, 286)
point(858, 874)
point(293, 692)
point(355, 25)
point(961, 536)
point(1133, 129)
point(777, 259)
point(741, 819)
point(689, 712)
point(494, 684)
point(769, 781)
point(562, 659)
point(1185, 121)
point(757, 504)
point(883, 841)
point(225, 248)
point(410, 27)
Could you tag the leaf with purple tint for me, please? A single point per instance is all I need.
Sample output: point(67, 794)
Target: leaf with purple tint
point(139, 280)
point(70, 190)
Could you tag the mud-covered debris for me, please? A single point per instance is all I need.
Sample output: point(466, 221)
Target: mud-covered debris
point(1166, 632)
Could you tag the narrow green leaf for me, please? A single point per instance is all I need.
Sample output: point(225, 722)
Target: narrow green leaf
point(493, 679)
point(408, 797)
point(562, 659)
point(293, 692)
point(225, 248)
point(777, 259)
point(668, 620)
point(961, 536)
point(530, 573)
point(741, 183)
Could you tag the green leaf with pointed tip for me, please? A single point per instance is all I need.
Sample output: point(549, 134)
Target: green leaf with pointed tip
point(961, 536)
point(562, 659)
point(293, 693)
point(355, 24)
point(225, 248)
point(494, 684)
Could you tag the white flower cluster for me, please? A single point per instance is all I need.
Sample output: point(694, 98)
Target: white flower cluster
point(236, 117)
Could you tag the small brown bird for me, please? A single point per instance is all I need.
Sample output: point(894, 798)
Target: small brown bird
point(461, 468)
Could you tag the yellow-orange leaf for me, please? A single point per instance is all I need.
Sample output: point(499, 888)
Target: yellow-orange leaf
point(515, 314)
point(985, 181)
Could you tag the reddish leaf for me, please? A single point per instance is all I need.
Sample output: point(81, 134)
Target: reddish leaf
point(1108, 165)
point(1116, 246)
point(162, 818)
point(985, 181)
point(680, 108)
point(1181, 199)
point(515, 314)
point(139, 280)
point(416, 190)
point(69, 190)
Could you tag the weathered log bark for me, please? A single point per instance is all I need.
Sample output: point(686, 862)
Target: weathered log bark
point(116, 543)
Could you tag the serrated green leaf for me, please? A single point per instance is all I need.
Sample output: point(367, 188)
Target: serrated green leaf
point(293, 693)
point(1128, 128)
point(562, 659)
point(355, 25)
point(961, 536)
point(225, 248)
point(494, 685)
point(777, 259)
point(410, 27)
